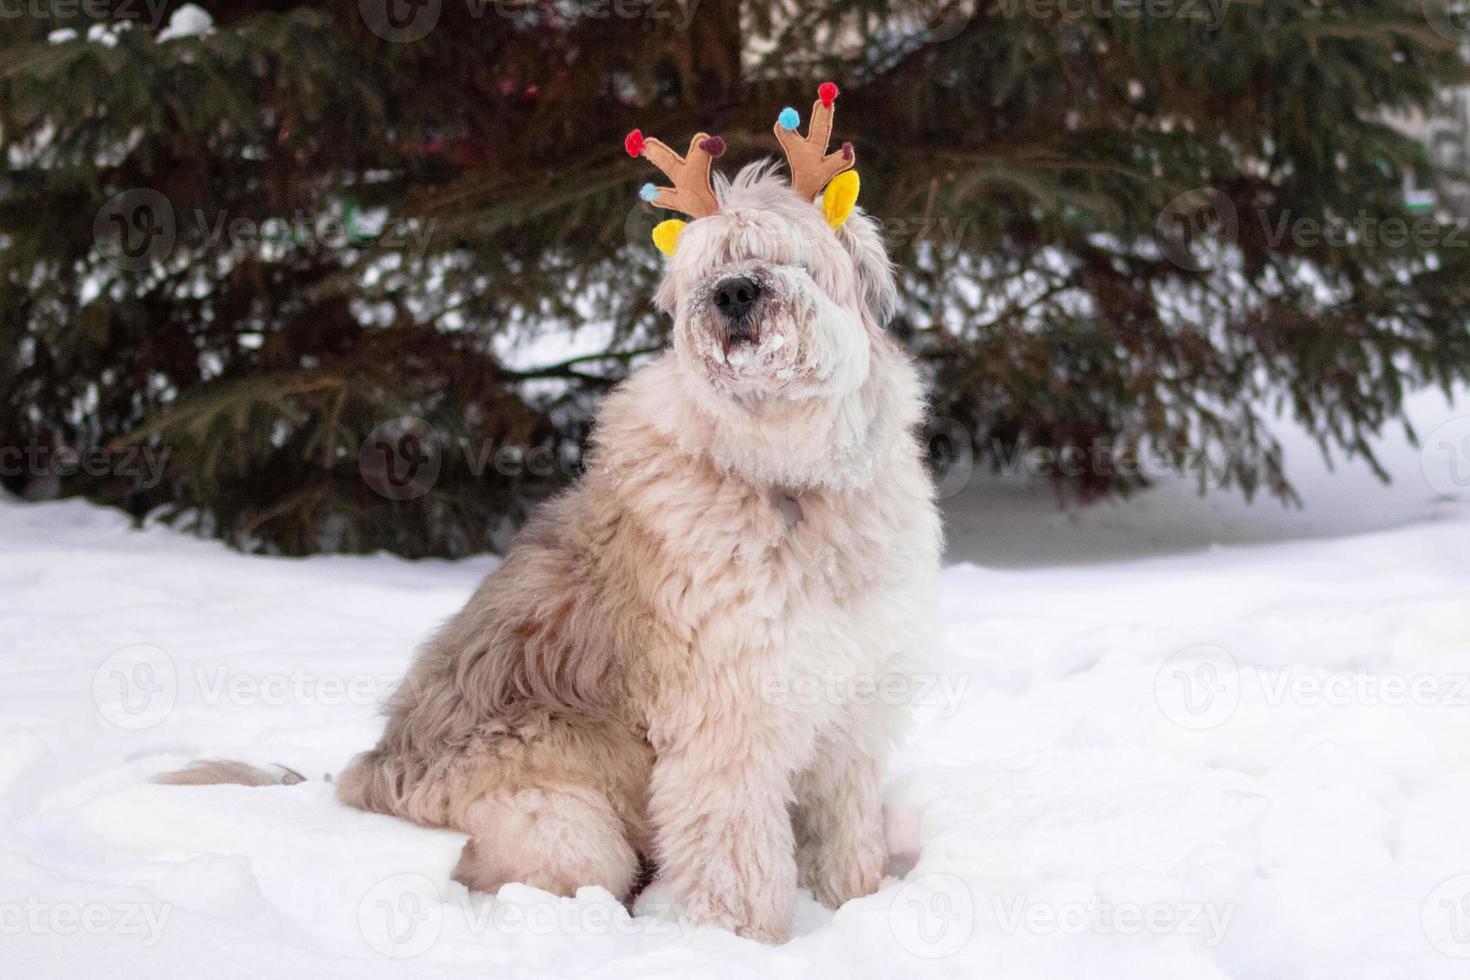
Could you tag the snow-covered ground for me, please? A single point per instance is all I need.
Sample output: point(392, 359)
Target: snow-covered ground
point(1173, 738)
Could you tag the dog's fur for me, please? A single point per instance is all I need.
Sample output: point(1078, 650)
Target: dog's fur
point(676, 665)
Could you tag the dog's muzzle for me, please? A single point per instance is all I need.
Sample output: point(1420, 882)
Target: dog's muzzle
point(734, 300)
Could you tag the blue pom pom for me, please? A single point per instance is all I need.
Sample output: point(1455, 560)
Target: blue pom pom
point(648, 192)
point(789, 118)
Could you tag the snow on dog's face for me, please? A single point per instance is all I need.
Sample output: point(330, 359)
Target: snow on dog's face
point(769, 301)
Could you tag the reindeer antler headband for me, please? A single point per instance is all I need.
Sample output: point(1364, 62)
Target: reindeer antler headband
point(812, 169)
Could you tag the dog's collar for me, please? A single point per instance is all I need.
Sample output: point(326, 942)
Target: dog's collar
point(790, 507)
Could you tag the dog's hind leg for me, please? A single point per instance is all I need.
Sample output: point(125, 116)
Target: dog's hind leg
point(556, 838)
point(545, 801)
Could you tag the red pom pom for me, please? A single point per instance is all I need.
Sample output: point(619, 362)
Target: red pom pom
point(714, 146)
point(633, 143)
point(827, 92)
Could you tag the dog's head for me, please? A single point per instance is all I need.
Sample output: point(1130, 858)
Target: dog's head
point(769, 300)
point(774, 293)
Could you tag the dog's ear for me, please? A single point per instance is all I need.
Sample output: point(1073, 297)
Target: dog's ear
point(877, 287)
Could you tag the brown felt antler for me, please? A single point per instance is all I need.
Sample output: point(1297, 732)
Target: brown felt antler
point(691, 193)
point(811, 165)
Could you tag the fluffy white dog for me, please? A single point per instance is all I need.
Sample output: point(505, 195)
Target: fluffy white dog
point(685, 666)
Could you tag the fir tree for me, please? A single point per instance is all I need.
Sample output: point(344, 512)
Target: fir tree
point(1121, 223)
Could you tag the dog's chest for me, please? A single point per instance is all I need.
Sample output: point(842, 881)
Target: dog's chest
point(793, 550)
point(748, 567)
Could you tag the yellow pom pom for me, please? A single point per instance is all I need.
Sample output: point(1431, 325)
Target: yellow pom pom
point(840, 197)
point(666, 235)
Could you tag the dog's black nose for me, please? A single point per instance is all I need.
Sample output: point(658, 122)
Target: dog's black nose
point(735, 296)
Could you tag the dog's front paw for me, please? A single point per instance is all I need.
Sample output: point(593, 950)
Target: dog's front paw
point(836, 873)
point(660, 902)
point(758, 919)
point(764, 916)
